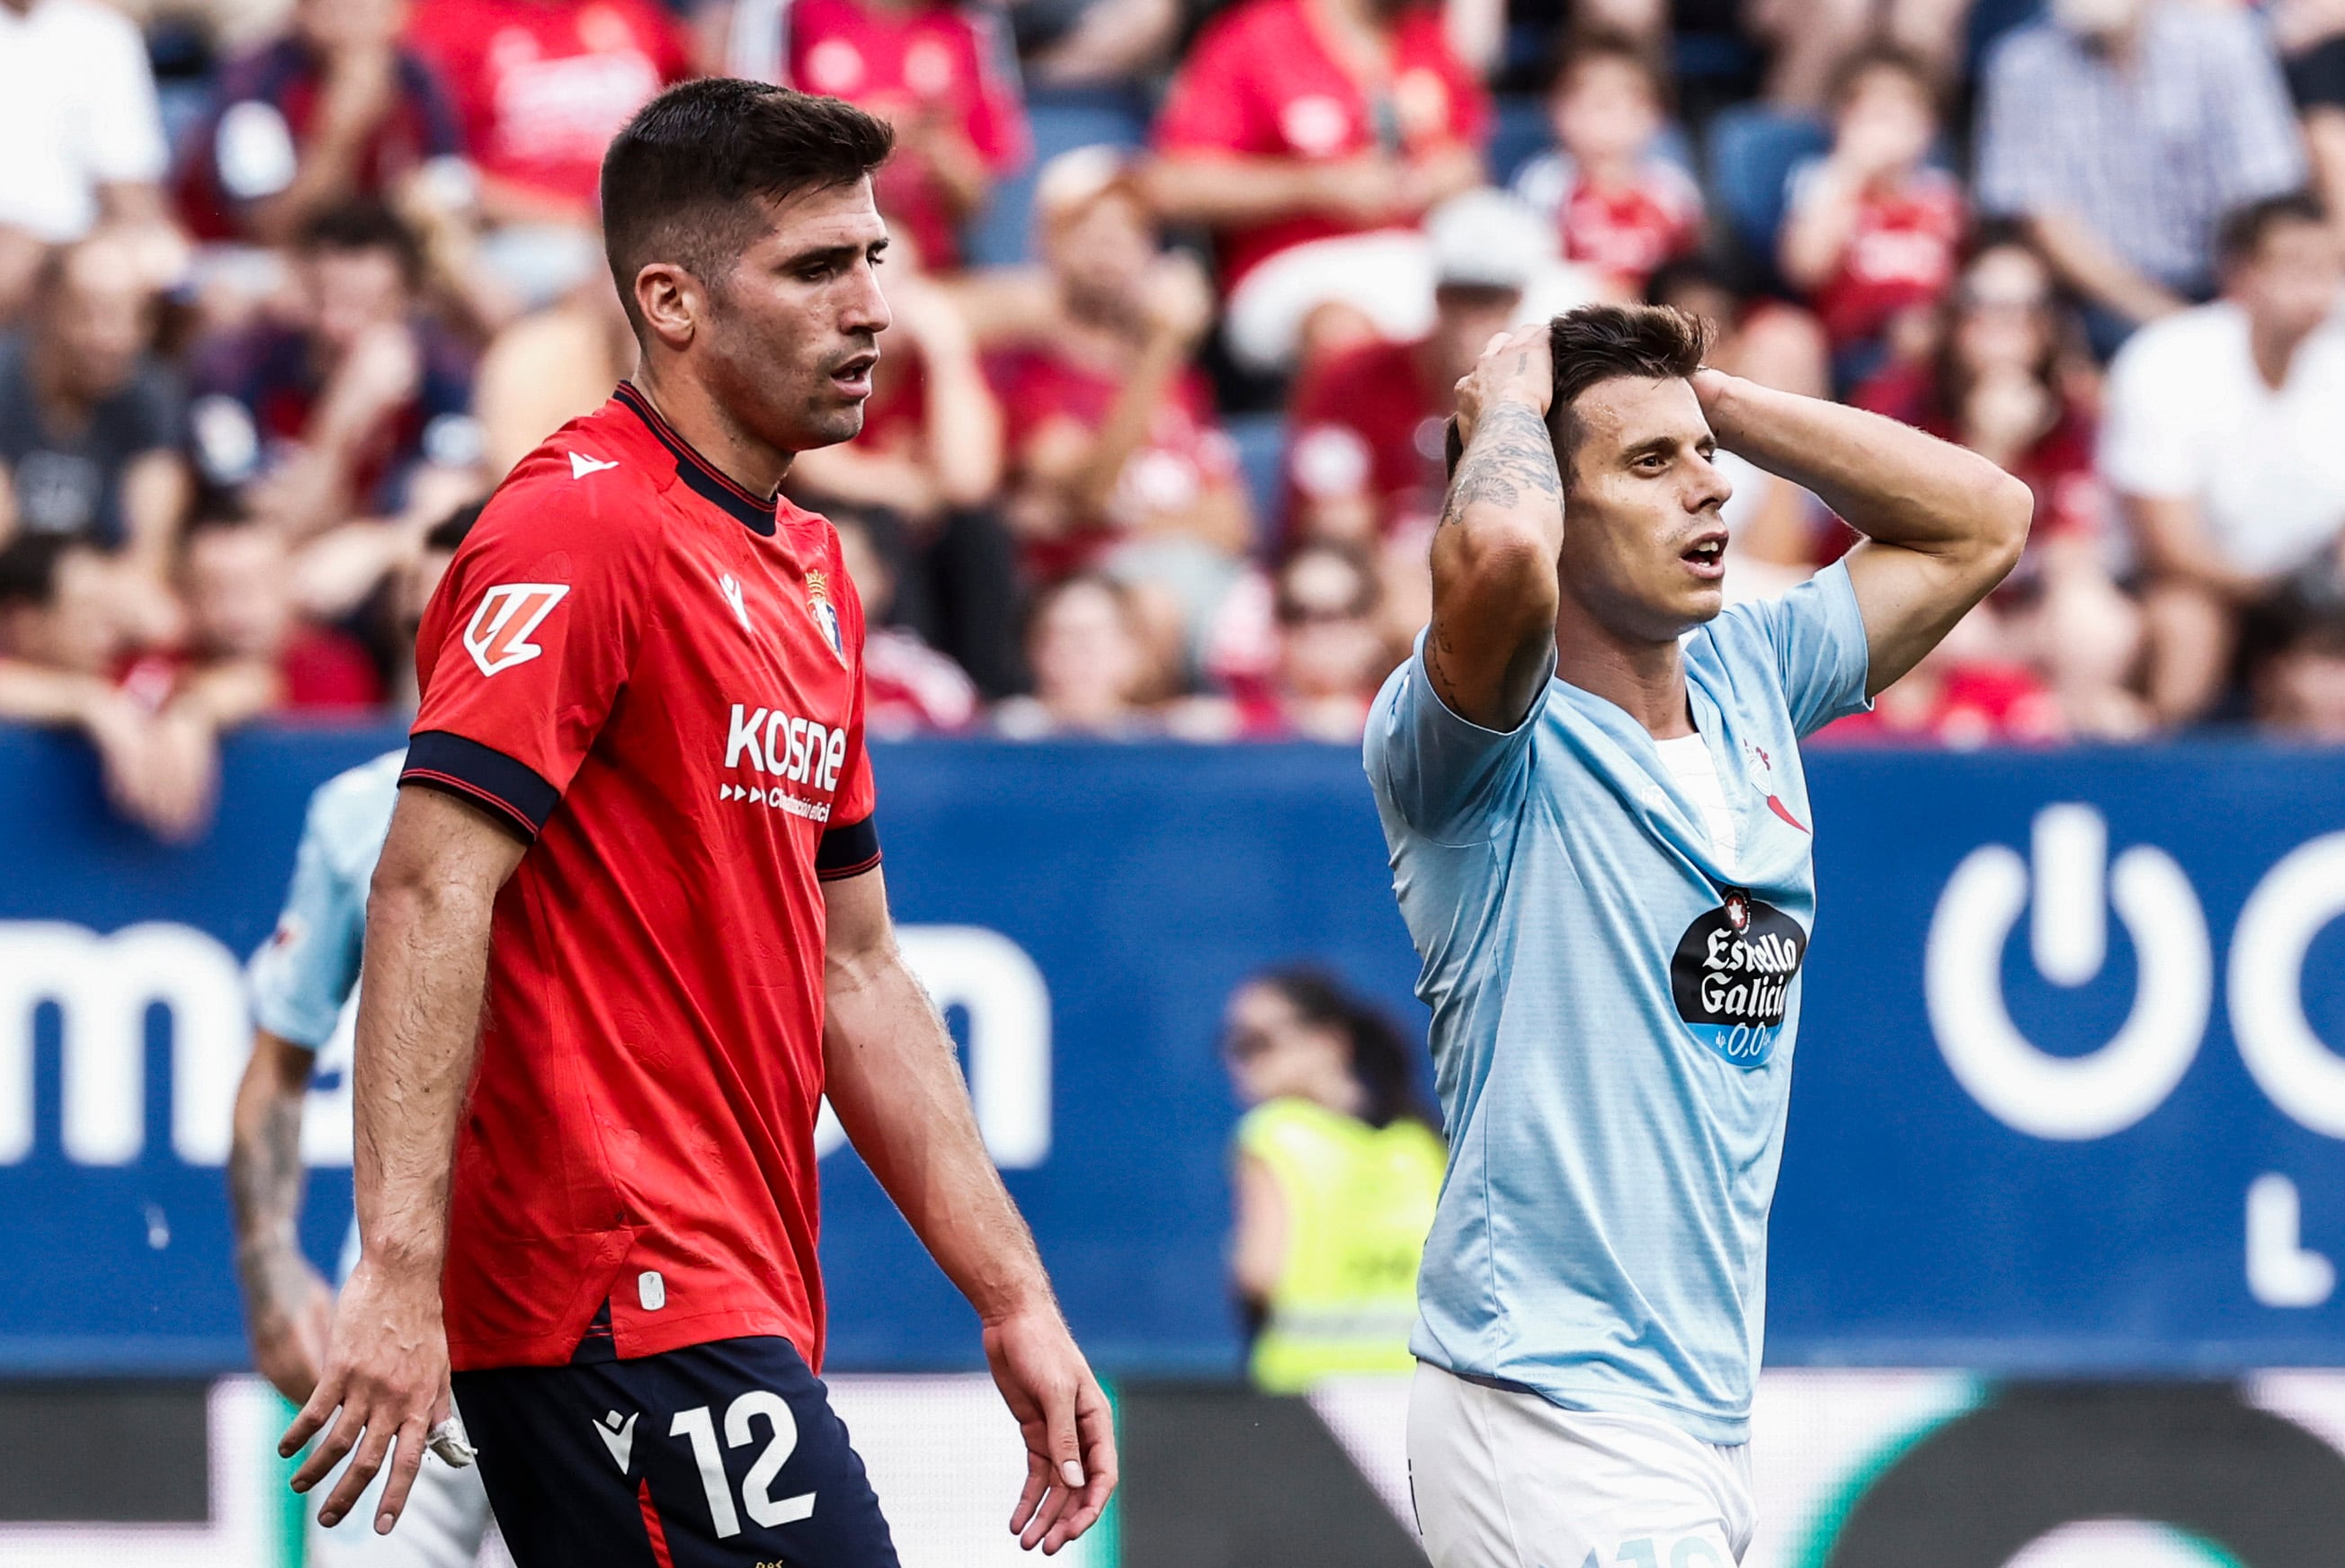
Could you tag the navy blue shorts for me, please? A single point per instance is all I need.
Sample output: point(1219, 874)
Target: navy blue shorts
point(713, 1456)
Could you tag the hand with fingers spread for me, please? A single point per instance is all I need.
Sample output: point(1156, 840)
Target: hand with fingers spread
point(384, 1388)
point(1063, 1414)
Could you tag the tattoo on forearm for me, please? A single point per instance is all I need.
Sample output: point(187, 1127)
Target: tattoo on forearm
point(264, 1186)
point(1510, 456)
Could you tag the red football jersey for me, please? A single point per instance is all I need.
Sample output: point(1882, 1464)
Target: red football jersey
point(1262, 83)
point(544, 88)
point(656, 678)
point(1901, 256)
point(1365, 422)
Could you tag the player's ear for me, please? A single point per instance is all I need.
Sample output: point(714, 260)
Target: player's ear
point(669, 300)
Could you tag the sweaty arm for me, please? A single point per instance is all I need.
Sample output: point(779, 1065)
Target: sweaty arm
point(1495, 592)
point(1941, 525)
point(426, 962)
point(893, 1079)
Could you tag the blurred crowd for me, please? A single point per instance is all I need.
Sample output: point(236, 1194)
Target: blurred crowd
point(1180, 288)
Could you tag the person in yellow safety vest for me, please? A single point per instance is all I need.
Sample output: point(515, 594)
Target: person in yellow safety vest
point(1338, 1168)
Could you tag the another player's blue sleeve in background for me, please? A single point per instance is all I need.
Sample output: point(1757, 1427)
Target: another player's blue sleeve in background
point(302, 975)
point(1817, 635)
point(1448, 778)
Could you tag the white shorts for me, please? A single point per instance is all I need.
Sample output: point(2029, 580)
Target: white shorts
point(1507, 1480)
point(445, 1524)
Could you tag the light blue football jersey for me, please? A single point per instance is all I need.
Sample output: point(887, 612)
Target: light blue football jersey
point(303, 981)
point(1615, 1006)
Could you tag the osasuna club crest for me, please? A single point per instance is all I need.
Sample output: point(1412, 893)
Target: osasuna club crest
point(825, 613)
point(1731, 975)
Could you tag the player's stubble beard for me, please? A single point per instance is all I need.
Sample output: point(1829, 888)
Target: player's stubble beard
point(772, 386)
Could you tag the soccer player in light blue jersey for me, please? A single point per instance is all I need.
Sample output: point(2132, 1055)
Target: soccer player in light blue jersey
point(302, 983)
point(1590, 785)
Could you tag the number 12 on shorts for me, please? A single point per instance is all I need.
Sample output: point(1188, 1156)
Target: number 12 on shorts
point(1691, 1552)
point(756, 1487)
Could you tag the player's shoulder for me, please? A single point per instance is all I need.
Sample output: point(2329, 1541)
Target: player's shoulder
point(598, 483)
point(349, 812)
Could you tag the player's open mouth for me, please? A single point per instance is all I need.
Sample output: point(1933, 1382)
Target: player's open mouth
point(854, 377)
point(1707, 556)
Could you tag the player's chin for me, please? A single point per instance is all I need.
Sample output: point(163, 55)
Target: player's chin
point(834, 421)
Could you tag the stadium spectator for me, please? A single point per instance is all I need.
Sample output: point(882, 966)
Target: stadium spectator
point(2300, 680)
point(1806, 41)
point(1871, 229)
point(335, 110)
point(2311, 35)
point(84, 137)
point(59, 646)
point(1965, 694)
point(91, 425)
point(909, 687)
point(2222, 444)
point(355, 406)
point(541, 86)
point(1332, 650)
point(1619, 206)
point(1118, 451)
point(1311, 135)
point(930, 452)
point(2122, 131)
point(2001, 381)
point(550, 367)
point(1094, 43)
point(1363, 463)
point(248, 653)
point(1337, 1164)
point(1089, 648)
point(934, 71)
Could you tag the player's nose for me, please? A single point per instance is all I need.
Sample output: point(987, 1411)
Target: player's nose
point(1711, 487)
point(866, 307)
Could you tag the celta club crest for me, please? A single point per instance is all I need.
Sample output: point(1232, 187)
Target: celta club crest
point(1738, 909)
point(825, 613)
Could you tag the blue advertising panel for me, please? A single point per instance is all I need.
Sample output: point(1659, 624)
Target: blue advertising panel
point(2071, 1091)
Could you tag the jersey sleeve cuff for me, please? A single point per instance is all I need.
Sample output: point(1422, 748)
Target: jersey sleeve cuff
point(849, 850)
point(511, 790)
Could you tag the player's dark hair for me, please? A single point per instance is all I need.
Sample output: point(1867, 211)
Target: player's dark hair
point(1596, 343)
point(1380, 1055)
point(28, 568)
point(359, 226)
point(2245, 229)
point(686, 179)
point(450, 531)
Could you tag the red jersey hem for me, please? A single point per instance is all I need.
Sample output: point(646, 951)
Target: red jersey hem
point(471, 1355)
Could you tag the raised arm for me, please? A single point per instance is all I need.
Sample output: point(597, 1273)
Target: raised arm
point(897, 1087)
point(1941, 525)
point(419, 1019)
point(1495, 591)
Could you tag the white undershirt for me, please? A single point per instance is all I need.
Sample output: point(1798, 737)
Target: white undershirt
point(1689, 762)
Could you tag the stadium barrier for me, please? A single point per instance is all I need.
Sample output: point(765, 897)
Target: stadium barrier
point(2070, 1095)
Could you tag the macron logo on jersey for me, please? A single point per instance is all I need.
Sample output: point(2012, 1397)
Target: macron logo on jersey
point(581, 465)
point(498, 637)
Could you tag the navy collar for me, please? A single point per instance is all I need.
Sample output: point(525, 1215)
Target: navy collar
point(703, 478)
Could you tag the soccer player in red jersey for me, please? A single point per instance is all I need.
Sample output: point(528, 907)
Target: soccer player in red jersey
point(634, 860)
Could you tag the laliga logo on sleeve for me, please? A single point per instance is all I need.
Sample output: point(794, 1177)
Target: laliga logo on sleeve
point(498, 637)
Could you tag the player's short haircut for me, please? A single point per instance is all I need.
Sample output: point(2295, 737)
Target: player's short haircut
point(1596, 343)
point(2245, 229)
point(687, 180)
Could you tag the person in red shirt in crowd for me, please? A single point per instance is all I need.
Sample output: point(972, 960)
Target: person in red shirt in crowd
point(1330, 652)
point(1965, 694)
point(354, 403)
point(1620, 207)
point(909, 688)
point(629, 927)
point(1872, 230)
point(1363, 457)
point(249, 651)
point(934, 70)
point(1312, 136)
point(1119, 452)
point(2005, 382)
point(540, 87)
point(335, 110)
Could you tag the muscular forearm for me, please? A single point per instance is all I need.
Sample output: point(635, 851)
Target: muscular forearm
point(264, 1161)
point(897, 1090)
point(1889, 481)
point(1495, 592)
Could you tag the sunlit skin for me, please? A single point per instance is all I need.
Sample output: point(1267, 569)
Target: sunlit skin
point(1643, 541)
point(774, 357)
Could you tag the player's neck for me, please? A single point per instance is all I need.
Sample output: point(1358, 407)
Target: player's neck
point(1644, 679)
point(757, 465)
